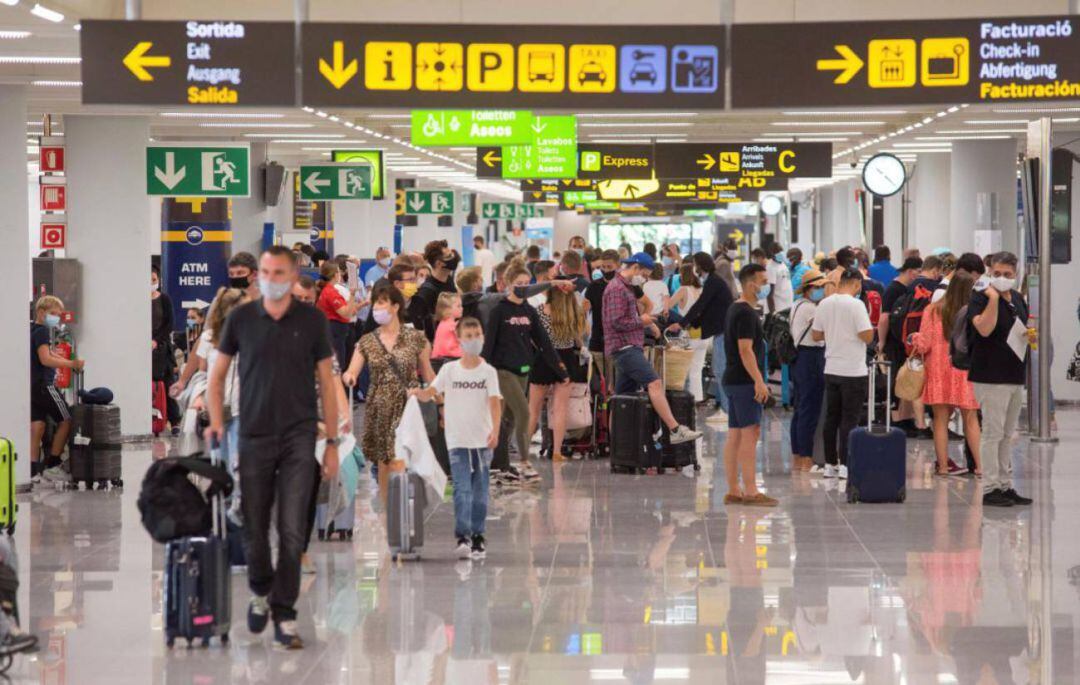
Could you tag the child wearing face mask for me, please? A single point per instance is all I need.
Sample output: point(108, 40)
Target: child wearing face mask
point(448, 312)
point(45, 400)
point(473, 405)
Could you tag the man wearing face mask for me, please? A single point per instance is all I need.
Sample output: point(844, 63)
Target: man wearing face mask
point(243, 272)
point(443, 262)
point(45, 400)
point(999, 354)
point(278, 425)
point(624, 339)
point(842, 322)
point(606, 267)
point(381, 267)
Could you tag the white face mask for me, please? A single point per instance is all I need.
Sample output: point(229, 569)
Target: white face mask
point(638, 281)
point(274, 291)
point(732, 254)
point(1003, 284)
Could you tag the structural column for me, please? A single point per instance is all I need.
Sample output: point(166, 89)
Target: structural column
point(109, 233)
point(249, 213)
point(15, 265)
point(982, 203)
point(929, 215)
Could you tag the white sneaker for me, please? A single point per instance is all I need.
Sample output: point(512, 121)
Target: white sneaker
point(816, 470)
point(464, 549)
point(718, 418)
point(830, 471)
point(843, 472)
point(56, 474)
point(528, 472)
point(683, 434)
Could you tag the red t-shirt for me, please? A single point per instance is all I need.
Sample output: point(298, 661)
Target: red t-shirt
point(330, 300)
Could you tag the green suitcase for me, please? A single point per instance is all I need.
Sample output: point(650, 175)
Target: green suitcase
point(8, 508)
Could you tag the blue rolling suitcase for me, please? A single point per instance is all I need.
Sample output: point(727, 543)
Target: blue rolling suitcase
point(877, 456)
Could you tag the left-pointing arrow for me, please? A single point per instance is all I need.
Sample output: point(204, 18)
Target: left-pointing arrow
point(314, 183)
point(339, 73)
point(490, 158)
point(137, 61)
point(170, 175)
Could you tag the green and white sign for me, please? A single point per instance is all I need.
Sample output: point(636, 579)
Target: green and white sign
point(435, 127)
point(579, 196)
point(373, 158)
point(335, 182)
point(198, 170)
point(509, 210)
point(553, 153)
point(429, 202)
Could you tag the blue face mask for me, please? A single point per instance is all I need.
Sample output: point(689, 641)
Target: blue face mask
point(668, 261)
point(597, 274)
point(764, 292)
point(817, 294)
point(779, 258)
point(52, 320)
point(192, 323)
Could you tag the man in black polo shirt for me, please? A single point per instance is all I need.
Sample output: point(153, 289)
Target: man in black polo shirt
point(281, 343)
point(443, 261)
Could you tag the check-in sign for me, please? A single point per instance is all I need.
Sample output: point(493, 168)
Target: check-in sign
point(335, 182)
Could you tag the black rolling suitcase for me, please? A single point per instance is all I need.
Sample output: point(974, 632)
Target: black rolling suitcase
point(633, 424)
point(684, 454)
point(95, 443)
point(198, 589)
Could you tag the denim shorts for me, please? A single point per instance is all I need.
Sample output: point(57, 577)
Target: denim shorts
point(743, 410)
point(632, 364)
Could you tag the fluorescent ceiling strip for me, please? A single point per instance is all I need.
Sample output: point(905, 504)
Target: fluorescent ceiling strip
point(389, 116)
point(637, 135)
point(34, 59)
point(854, 112)
point(963, 138)
point(922, 150)
point(636, 124)
point(638, 115)
point(47, 14)
point(251, 124)
point(295, 141)
point(828, 123)
point(1034, 110)
point(221, 115)
point(772, 140)
point(294, 135)
point(44, 83)
point(14, 35)
point(926, 144)
point(981, 131)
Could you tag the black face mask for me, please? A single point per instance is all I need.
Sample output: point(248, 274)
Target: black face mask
point(452, 263)
point(521, 292)
point(240, 282)
point(608, 275)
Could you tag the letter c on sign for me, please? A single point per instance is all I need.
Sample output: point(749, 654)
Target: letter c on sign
point(783, 163)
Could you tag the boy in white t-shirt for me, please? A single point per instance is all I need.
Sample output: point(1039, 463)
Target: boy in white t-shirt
point(470, 390)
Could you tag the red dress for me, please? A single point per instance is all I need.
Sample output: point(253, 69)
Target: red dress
point(945, 384)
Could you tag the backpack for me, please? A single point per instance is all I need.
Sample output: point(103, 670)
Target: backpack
point(777, 328)
point(873, 306)
point(906, 316)
point(959, 342)
point(171, 505)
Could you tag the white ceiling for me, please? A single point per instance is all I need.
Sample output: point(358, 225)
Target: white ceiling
point(294, 134)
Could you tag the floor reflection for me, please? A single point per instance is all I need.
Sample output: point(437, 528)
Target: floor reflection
point(599, 578)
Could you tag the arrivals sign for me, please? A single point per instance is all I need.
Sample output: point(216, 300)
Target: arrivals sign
point(429, 201)
point(198, 170)
point(761, 166)
point(220, 63)
point(335, 182)
point(461, 65)
point(996, 60)
point(471, 127)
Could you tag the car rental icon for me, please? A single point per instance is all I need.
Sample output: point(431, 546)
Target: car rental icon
point(643, 71)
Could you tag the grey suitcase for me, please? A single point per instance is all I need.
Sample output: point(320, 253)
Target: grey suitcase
point(405, 503)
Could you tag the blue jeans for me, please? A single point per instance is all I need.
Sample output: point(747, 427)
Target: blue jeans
point(719, 365)
point(470, 469)
point(230, 454)
point(809, 375)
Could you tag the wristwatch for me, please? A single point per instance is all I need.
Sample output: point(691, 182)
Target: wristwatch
point(333, 442)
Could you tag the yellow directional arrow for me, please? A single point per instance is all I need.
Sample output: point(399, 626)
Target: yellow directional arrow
point(490, 157)
point(848, 65)
point(137, 60)
point(737, 235)
point(340, 73)
point(707, 161)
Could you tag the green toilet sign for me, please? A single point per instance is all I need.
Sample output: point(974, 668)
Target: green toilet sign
point(429, 202)
point(198, 170)
point(335, 182)
point(472, 127)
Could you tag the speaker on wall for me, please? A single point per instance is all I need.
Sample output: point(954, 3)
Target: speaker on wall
point(273, 183)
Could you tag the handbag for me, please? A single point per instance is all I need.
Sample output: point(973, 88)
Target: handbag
point(911, 379)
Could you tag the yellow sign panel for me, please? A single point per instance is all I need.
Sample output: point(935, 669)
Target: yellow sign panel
point(440, 66)
point(541, 68)
point(618, 189)
point(388, 65)
point(490, 67)
point(945, 61)
point(891, 63)
point(729, 162)
point(592, 68)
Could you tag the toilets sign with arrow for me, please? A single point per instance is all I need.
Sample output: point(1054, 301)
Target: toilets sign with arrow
point(177, 170)
point(552, 153)
point(335, 182)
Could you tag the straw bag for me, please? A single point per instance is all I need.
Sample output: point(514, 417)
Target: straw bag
point(677, 356)
point(911, 379)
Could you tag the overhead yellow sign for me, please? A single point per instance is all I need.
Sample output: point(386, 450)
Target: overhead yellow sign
point(388, 65)
point(592, 68)
point(491, 67)
point(339, 72)
point(541, 68)
point(137, 61)
point(440, 66)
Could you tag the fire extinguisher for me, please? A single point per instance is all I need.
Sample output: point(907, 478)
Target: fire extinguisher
point(65, 348)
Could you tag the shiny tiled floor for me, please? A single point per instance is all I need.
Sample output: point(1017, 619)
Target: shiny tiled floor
point(594, 577)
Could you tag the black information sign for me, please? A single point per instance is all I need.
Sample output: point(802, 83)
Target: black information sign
point(556, 185)
point(997, 60)
point(221, 63)
point(470, 66)
point(751, 165)
point(682, 190)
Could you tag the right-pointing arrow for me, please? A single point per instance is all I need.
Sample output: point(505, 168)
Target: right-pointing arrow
point(197, 303)
point(314, 183)
point(848, 65)
point(170, 175)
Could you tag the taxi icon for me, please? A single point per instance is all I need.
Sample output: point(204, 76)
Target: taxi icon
point(591, 71)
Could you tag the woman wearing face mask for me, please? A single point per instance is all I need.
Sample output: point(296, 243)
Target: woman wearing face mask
point(163, 362)
point(564, 322)
point(808, 371)
point(725, 264)
point(669, 257)
point(338, 310)
point(709, 312)
point(396, 357)
point(683, 300)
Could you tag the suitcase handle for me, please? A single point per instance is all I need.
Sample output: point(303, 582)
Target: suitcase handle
point(873, 392)
point(217, 502)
